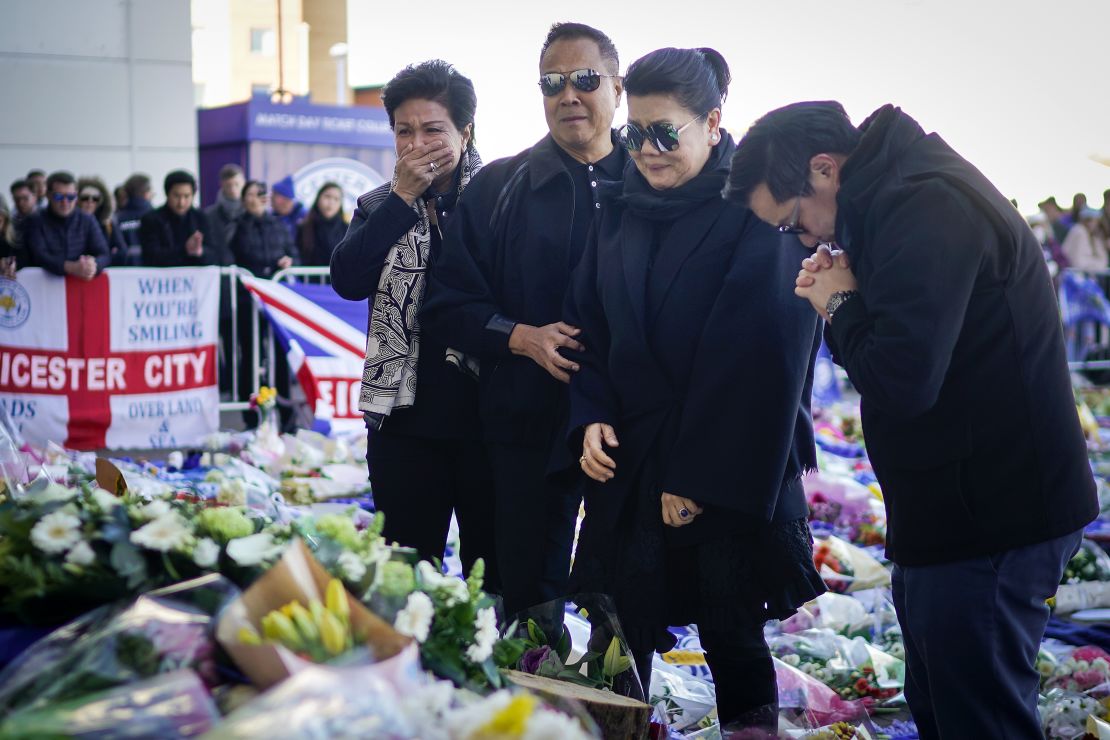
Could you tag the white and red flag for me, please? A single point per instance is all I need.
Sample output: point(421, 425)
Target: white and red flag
point(126, 360)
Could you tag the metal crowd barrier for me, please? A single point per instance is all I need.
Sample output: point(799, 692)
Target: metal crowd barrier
point(230, 284)
point(1086, 334)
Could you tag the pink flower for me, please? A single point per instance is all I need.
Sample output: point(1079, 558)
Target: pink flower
point(1087, 679)
point(1090, 653)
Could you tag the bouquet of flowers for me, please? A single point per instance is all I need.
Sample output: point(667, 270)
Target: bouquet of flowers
point(162, 631)
point(1090, 563)
point(66, 550)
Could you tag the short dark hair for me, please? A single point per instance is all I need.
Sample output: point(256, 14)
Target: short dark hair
point(137, 186)
point(571, 31)
point(179, 177)
point(60, 177)
point(19, 185)
point(777, 149)
point(438, 81)
point(229, 171)
point(35, 173)
point(249, 184)
point(696, 78)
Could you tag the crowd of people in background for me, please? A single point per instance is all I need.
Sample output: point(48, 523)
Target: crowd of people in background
point(1077, 238)
point(76, 226)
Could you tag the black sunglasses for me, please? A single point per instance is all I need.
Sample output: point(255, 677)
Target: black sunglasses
point(586, 80)
point(663, 136)
point(87, 198)
point(59, 197)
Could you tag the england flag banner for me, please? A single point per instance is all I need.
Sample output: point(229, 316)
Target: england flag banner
point(324, 337)
point(126, 360)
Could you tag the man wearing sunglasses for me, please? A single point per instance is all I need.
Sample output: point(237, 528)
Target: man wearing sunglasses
point(61, 238)
point(498, 294)
point(942, 311)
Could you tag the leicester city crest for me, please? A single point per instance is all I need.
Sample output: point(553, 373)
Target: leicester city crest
point(15, 304)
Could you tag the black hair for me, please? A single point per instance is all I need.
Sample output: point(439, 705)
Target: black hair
point(179, 177)
point(34, 173)
point(697, 78)
point(247, 185)
point(19, 185)
point(137, 186)
point(438, 81)
point(229, 171)
point(777, 149)
point(572, 31)
point(60, 177)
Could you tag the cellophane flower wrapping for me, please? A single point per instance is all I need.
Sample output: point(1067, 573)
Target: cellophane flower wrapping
point(159, 632)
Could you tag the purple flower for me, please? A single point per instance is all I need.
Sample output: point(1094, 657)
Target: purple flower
point(532, 659)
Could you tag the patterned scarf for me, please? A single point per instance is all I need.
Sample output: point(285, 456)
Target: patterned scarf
point(393, 341)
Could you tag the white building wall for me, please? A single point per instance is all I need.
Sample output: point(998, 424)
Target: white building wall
point(97, 87)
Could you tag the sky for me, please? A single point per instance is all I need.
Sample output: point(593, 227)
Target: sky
point(1018, 88)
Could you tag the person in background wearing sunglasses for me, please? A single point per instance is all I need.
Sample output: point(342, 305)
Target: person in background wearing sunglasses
point(942, 311)
point(496, 293)
point(178, 233)
point(92, 198)
point(691, 407)
point(63, 239)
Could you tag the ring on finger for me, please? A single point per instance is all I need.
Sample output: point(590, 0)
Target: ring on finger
point(433, 166)
point(684, 513)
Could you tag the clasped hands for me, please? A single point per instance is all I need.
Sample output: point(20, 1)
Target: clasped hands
point(824, 273)
point(678, 511)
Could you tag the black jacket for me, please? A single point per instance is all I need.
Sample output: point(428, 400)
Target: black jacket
point(221, 222)
point(259, 242)
point(446, 402)
point(956, 348)
point(163, 234)
point(51, 241)
point(700, 356)
point(326, 233)
point(128, 221)
point(507, 258)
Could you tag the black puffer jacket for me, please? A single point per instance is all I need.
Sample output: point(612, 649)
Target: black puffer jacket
point(259, 242)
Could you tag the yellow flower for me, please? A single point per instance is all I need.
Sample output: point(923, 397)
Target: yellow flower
point(511, 720)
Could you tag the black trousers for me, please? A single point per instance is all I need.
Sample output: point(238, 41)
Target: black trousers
point(535, 518)
point(972, 630)
point(743, 676)
point(417, 482)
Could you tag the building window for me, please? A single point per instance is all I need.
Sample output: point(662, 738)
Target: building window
point(262, 41)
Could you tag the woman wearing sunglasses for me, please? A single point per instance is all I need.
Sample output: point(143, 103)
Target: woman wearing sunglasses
point(693, 395)
point(92, 198)
point(420, 398)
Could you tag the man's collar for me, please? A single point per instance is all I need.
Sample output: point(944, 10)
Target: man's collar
point(545, 161)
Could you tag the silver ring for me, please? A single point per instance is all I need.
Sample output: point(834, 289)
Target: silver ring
point(433, 166)
point(684, 512)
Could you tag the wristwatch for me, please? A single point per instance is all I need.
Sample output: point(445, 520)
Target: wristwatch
point(837, 299)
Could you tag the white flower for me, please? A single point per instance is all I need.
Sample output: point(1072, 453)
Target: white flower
point(167, 532)
point(104, 500)
point(175, 459)
point(232, 492)
point(81, 554)
point(550, 725)
point(154, 509)
point(416, 618)
point(429, 576)
point(254, 549)
point(205, 553)
point(351, 566)
point(50, 492)
point(485, 635)
point(56, 532)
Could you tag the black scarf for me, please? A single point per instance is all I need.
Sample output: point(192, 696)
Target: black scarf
point(644, 201)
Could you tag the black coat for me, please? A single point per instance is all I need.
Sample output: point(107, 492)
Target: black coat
point(51, 241)
point(221, 221)
point(956, 348)
point(162, 234)
point(259, 242)
point(507, 253)
point(446, 399)
point(712, 377)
